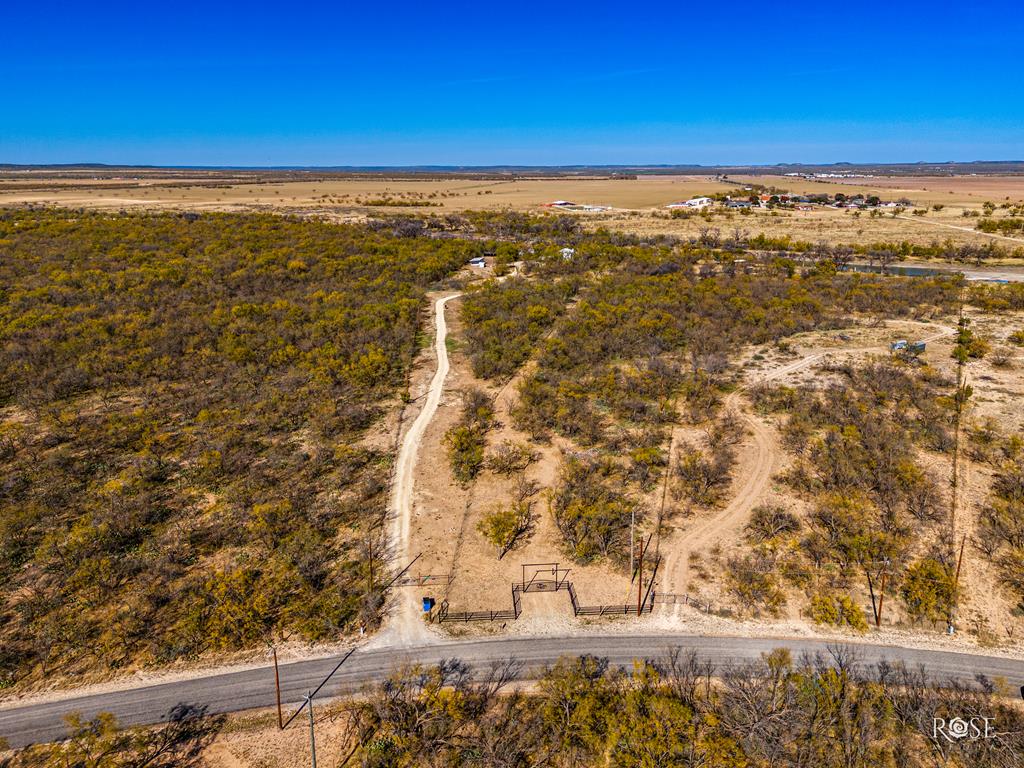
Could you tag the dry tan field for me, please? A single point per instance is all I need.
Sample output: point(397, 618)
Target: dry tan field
point(638, 205)
point(344, 194)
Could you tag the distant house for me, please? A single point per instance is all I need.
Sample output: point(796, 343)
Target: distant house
point(738, 204)
point(478, 261)
point(697, 202)
point(568, 254)
point(568, 205)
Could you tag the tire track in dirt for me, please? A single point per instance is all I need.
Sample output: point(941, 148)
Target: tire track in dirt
point(725, 525)
point(404, 626)
point(969, 230)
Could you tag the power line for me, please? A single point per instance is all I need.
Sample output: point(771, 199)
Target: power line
point(308, 702)
point(309, 698)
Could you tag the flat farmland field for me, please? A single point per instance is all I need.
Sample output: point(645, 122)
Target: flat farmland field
point(948, 206)
point(450, 194)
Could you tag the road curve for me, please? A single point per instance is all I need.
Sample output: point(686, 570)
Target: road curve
point(254, 688)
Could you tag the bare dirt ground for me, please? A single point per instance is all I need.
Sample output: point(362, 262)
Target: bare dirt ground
point(404, 626)
point(819, 224)
point(252, 740)
point(446, 514)
point(760, 460)
point(349, 195)
point(697, 549)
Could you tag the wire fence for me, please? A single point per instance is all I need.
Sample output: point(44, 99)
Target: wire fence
point(682, 598)
point(425, 579)
point(646, 604)
point(613, 610)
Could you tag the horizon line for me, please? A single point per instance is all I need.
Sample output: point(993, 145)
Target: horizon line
point(503, 166)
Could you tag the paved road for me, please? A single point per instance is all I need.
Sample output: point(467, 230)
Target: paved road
point(254, 688)
point(1011, 274)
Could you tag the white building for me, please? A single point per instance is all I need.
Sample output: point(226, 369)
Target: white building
point(697, 202)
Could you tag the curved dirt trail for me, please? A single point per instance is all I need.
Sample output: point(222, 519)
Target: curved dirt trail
point(919, 220)
point(405, 625)
point(725, 524)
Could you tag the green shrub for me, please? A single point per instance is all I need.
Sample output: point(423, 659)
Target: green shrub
point(590, 511)
point(506, 524)
point(770, 521)
point(928, 590)
point(510, 457)
point(751, 580)
point(467, 440)
point(838, 610)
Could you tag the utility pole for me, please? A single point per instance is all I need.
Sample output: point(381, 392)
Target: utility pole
point(960, 352)
point(956, 583)
point(959, 562)
point(277, 688)
point(640, 583)
point(369, 546)
point(881, 599)
point(881, 594)
point(632, 541)
point(312, 734)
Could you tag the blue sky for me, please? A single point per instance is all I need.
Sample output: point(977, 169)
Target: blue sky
point(392, 83)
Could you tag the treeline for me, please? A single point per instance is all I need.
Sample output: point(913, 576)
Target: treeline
point(882, 251)
point(1010, 226)
point(101, 743)
point(526, 229)
point(997, 298)
point(503, 321)
point(180, 397)
point(642, 337)
point(825, 712)
point(1001, 526)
